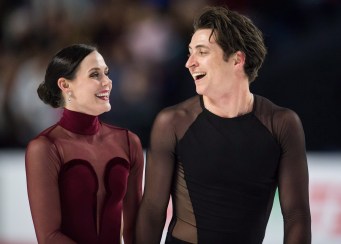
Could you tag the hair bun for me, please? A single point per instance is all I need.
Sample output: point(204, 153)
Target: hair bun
point(45, 95)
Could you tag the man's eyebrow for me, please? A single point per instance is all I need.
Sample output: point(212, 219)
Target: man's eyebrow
point(198, 46)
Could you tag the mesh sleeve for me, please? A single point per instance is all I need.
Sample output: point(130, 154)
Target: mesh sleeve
point(293, 178)
point(42, 167)
point(134, 188)
point(159, 170)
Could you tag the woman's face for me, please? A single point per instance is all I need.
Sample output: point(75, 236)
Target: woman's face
point(91, 87)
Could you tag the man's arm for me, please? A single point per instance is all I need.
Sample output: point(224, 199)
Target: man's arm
point(293, 182)
point(158, 180)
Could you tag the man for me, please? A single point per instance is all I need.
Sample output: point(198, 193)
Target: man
point(222, 154)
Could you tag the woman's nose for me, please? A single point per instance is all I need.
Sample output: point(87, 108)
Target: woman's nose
point(106, 81)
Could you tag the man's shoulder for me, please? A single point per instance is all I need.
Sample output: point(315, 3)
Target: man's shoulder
point(277, 112)
point(173, 121)
point(185, 108)
point(264, 103)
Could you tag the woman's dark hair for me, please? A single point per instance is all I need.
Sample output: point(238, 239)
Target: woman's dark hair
point(63, 64)
point(234, 32)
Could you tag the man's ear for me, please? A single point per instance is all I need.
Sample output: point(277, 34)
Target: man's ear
point(239, 58)
point(63, 84)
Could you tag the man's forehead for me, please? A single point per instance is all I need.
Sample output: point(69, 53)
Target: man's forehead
point(202, 38)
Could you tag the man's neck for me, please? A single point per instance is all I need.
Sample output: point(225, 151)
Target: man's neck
point(231, 104)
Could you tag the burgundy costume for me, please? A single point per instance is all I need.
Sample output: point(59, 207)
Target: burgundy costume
point(84, 181)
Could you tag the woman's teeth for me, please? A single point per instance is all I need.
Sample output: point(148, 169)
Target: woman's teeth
point(103, 95)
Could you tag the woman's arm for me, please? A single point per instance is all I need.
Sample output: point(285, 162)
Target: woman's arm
point(134, 189)
point(42, 168)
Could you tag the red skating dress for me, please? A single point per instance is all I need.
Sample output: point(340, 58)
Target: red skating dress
point(84, 181)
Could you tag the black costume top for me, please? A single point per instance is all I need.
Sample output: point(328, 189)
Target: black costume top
point(224, 173)
point(82, 176)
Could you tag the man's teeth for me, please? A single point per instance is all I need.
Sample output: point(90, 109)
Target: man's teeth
point(199, 75)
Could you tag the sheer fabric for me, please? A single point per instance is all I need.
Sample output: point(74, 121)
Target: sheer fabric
point(222, 174)
point(84, 181)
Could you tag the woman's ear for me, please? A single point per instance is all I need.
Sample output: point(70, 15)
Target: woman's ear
point(63, 84)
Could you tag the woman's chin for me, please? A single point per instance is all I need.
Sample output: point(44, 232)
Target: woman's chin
point(102, 110)
point(107, 107)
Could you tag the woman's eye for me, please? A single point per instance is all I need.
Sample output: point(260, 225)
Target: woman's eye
point(94, 74)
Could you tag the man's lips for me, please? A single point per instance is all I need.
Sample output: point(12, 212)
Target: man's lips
point(198, 75)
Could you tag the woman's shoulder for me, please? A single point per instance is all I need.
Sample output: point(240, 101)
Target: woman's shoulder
point(113, 127)
point(43, 138)
point(125, 132)
point(41, 147)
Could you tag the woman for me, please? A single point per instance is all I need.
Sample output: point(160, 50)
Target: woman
point(84, 177)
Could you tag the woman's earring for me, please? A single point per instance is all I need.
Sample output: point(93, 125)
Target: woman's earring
point(69, 97)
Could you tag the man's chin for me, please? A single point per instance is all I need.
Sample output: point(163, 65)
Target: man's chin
point(199, 91)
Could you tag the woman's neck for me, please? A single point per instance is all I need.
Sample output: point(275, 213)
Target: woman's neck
point(79, 123)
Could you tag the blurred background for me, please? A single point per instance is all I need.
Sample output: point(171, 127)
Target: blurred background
point(144, 43)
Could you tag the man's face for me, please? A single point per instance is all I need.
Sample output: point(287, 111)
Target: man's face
point(206, 64)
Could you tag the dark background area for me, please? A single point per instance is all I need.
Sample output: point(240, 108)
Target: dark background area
point(145, 46)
